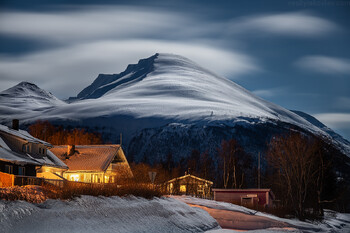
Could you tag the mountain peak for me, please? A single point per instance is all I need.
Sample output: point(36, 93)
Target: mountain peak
point(105, 82)
point(157, 63)
point(30, 92)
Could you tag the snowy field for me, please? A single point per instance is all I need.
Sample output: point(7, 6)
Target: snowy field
point(104, 214)
point(167, 214)
point(240, 218)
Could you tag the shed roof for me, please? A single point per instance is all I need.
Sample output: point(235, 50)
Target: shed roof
point(89, 157)
point(189, 176)
point(246, 190)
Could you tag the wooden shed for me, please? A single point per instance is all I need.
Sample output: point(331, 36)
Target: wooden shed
point(245, 197)
point(189, 185)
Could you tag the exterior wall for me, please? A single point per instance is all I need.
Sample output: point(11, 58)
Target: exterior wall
point(29, 169)
point(49, 173)
point(13, 142)
point(260, 198)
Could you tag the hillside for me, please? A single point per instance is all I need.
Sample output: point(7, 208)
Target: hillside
point(165, 103)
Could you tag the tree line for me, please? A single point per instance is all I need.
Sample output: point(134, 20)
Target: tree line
point(299, 168)
point(58, 135)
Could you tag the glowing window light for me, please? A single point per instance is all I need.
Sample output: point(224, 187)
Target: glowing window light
point(182, 188)
point(74, 177)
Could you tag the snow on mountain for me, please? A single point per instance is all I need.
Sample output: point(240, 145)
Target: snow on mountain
point(148, 97)
point(173, 87)
point(337, 139)
point(26, 100)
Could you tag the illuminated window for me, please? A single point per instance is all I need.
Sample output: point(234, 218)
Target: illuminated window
point(183, 188)
point(74, 177)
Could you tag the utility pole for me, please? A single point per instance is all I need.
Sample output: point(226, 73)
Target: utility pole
point(259, 171)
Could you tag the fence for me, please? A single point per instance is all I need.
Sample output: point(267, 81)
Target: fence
point(8, 180)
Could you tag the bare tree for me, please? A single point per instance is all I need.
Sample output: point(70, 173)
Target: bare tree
point(298, 165)
point(233, 161)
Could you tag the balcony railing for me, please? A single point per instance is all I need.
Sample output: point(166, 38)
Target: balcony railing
point(7, 180)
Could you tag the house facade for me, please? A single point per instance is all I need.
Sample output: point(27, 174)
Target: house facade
point(94, 163)
point(189, 185)
point(23, 155)
point(245, 197)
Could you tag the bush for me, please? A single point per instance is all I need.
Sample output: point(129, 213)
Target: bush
point(38, 194)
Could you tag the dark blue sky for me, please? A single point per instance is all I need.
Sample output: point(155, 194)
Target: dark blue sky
point(294, 53)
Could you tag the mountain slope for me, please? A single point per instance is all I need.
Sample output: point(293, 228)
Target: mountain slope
point(26, 100)
point(158, 91)
point(170, 86)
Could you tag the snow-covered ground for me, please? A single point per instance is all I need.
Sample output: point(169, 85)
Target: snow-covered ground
point(240, 218)
point(104, 214)
point(167, 214)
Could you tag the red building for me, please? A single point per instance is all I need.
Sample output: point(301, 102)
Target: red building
point(245, 197)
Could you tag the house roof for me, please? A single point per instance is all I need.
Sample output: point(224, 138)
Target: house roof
point(89, 157)
point(242, 190)
point(16, 158)
point(10, 155)
point(245, 190)
point(190, 176)
point(23, 135)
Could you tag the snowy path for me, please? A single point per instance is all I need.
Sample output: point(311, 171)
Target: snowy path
point(239, 221)
point(234, 218)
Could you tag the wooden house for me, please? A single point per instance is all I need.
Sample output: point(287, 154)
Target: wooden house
point(245, 197)
point(189, 185)
point(94, 163)
point(23, 155)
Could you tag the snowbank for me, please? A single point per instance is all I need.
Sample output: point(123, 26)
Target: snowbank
point(240, 218)
point(104, 214)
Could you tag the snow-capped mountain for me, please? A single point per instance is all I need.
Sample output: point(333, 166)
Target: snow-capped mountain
point(162, 97)
point(25, 100)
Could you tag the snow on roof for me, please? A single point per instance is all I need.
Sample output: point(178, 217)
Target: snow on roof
point(13, 157)
point(89, 157)
point(246, 190)
point(243, 190)
point(23, 135)
point(191, 176)
point(6, 154)
point(3, 144)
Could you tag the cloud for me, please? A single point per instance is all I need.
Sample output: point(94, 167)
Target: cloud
point(66, 71)
point(335, 120)
point(343, 103)
point(289, 24)
point(339, 122)
point(100, 22)
point(324, 64)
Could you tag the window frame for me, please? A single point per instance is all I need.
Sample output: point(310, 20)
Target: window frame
point(8, 169)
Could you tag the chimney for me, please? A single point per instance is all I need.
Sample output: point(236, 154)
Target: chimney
point(70, 150)
point(15, 124)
